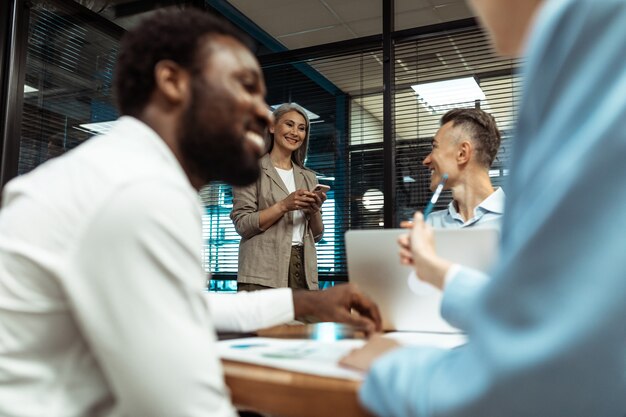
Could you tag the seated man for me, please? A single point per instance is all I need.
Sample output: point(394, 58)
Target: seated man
point(464, 148)
point(103, 310)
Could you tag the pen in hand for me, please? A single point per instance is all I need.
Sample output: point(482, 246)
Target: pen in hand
point(431, 204)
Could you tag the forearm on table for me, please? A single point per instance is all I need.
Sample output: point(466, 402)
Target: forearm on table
point(249, 311)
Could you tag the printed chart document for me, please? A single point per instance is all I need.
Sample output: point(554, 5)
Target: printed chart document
point(319, 357)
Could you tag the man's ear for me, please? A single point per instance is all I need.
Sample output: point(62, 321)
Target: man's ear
point(464, 153)
point(172, 82)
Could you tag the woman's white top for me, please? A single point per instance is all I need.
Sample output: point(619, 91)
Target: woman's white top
point(298, 215)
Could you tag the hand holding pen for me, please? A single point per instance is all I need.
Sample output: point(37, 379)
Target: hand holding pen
point(417, 248)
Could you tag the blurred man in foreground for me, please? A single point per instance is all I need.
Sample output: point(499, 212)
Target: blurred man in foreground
point(102, 305)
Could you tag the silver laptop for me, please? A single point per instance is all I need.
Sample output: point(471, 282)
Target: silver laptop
point(407, 303)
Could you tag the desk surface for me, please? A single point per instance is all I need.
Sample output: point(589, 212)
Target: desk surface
point(290, 394)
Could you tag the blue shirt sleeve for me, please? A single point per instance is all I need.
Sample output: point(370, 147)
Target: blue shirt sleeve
point(459, 294)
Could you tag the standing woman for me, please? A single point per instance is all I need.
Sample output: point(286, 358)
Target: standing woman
point(279, 217)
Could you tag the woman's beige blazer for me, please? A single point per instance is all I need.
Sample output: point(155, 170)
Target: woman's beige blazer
point(264, 255)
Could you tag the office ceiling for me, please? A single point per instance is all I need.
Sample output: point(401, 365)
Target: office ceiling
point(302, 23)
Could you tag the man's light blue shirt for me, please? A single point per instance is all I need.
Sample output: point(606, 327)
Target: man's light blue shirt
point(487, 214)
point(547, 334)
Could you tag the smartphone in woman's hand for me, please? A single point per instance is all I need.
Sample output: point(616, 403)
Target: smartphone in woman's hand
point(321, 188)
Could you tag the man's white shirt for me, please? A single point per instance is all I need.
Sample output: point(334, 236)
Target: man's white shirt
point(102, 304)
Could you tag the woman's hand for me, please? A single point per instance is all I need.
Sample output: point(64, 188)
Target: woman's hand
point(315, 207)
point(299, 200)
point(362, 358)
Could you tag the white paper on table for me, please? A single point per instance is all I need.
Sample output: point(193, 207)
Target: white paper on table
point(298, 355)
point(319, 357)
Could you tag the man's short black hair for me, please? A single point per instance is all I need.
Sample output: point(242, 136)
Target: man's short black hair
point(172, 35)
point(482, 129)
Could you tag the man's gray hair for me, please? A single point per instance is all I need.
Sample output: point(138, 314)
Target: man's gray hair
point(482, 129)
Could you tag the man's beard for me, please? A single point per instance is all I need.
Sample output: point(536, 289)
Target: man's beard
point(212, 149)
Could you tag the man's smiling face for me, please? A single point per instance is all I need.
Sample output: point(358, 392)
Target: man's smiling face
point(221, 134)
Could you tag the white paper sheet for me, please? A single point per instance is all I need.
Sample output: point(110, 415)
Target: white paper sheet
point(319, 357)
point(299, 355)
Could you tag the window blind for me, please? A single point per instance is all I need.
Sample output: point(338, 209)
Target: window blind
point(68, 82)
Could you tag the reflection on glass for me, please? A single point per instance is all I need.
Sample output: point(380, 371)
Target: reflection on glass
point(69, 73)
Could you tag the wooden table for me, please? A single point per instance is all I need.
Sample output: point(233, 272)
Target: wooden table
point(283, 393)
